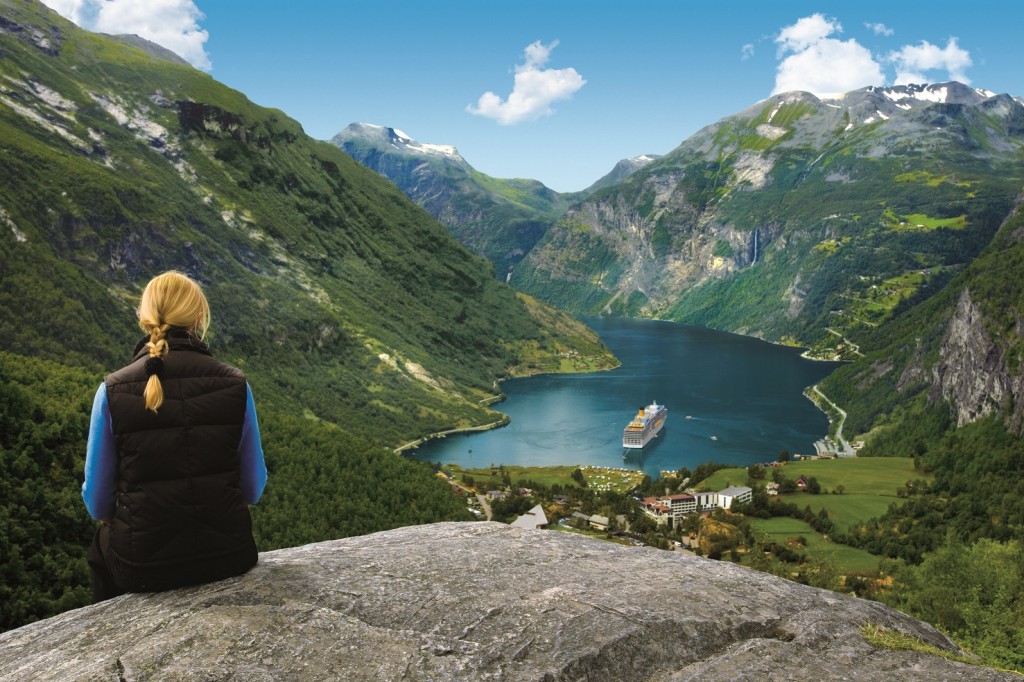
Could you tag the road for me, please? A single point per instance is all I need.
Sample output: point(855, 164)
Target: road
point(844, 448)
point(485, 505)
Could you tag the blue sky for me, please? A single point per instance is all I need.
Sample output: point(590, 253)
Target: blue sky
point(574, 85)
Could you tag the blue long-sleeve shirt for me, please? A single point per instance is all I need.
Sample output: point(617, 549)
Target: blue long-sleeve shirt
point(99, 491)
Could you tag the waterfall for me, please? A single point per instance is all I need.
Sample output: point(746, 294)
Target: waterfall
point(755, 247)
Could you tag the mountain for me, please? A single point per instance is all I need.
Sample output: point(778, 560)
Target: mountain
point(496, 218)
point(799, 219)
point(360, 322)
point(622, 170)
point(118, 165)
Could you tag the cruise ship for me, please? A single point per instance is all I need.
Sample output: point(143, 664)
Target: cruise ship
point(645, 426)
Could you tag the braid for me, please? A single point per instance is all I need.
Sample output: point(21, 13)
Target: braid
point(158, 348)
point(169, 301)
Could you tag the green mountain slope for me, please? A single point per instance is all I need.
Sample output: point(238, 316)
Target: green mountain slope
point(798, 219)
point(497, 218)
point(360, 322)
point(943, 382)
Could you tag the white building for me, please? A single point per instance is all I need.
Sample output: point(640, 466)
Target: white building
point(706, 500)
point(734, 494)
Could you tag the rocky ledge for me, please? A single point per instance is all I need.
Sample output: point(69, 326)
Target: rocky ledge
point(476, 601)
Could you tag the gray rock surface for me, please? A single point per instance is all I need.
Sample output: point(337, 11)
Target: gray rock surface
point(477, 601)
point(972, 373)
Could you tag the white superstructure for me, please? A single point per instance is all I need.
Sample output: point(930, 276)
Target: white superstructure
point(645, 426)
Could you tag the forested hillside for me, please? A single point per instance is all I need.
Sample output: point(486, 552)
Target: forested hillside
point(943, 383)
point(359, 321)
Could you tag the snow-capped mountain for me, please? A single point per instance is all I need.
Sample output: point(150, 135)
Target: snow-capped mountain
point(771, 219)
point(381, 136)
point(622, 170)
point(496, 218)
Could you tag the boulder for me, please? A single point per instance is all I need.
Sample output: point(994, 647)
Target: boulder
point(478, 601)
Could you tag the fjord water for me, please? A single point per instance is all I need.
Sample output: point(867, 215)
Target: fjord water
point(745, 392)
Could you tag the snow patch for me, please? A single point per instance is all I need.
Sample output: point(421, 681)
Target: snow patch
point(438, 149)
point(918, 92)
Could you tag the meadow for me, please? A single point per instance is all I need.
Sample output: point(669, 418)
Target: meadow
point(849, 560)
point(869, 485)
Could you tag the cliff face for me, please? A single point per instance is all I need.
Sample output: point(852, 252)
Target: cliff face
point(972, 373)
point(477, 601)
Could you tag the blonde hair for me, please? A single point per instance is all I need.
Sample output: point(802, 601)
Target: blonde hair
point(170, 301)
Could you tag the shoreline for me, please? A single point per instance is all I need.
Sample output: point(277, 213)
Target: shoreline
point(412, 445)
point(487, 402)
point(842, 449)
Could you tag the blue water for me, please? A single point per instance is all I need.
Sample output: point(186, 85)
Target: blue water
point(746, 392)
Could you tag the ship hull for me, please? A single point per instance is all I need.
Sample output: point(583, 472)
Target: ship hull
point(645, 427)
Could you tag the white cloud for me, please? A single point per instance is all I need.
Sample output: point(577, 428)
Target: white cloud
point(534, 90)
point(173, 24)
point(912, 61)
point(806, 32)
point(821, 64)
point(879, 29)
point(747, 51)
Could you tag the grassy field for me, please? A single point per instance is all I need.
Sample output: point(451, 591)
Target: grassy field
point(868, 475)
point(846, 510)
point(869, 485)
point(598, 478)
point(848, 560)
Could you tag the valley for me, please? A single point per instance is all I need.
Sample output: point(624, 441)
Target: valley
point(376, 290)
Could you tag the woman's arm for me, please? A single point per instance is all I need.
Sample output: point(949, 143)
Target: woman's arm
point(99, 490)
point(254, 469)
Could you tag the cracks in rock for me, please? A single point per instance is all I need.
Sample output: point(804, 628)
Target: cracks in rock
point(468, 630)
point(610, 610)
point(120, 670)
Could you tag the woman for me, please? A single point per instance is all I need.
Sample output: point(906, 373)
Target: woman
point(174, 456)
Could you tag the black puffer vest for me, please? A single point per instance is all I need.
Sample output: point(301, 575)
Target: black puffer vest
point(180, 517)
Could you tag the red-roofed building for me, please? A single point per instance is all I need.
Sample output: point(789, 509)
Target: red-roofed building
point(669, 506)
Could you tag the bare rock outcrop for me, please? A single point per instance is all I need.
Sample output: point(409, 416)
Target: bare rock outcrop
point(972, 373)
point(478, 601)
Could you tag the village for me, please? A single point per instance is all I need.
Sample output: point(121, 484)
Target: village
point(567, 509)
point(674, 511)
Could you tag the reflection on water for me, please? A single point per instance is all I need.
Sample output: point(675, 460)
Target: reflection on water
point(744, 398)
